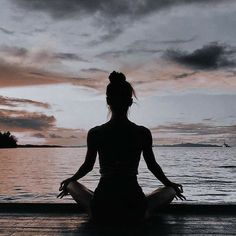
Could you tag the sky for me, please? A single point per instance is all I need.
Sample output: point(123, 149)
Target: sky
point(56, 56)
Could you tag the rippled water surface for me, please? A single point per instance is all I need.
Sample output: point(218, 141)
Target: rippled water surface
point(34, 174)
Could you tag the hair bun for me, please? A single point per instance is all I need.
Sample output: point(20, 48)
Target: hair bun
point(117, 77)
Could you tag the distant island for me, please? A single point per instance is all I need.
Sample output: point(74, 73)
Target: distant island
point(167, 145)
point(47, 146)
point(189, 145)
point(38, 146)
point(7, 140)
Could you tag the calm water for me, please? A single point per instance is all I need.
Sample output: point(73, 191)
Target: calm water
point(33, 175)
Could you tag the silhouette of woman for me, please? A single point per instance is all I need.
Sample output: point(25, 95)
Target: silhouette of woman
point(119, 144)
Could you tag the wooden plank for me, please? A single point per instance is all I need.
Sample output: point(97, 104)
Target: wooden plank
point(78, 224)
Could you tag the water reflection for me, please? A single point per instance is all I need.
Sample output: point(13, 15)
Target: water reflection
point(33, 175)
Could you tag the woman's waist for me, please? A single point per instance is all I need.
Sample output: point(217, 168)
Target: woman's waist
point(119, 186)
point(115, 180)
point(115, 170)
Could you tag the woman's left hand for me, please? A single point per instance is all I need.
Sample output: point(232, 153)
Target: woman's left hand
point(179, 190)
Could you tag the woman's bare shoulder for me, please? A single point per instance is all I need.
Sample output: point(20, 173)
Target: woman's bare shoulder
point(94, 130)
point(93, 137)
point(144, 130)
point(97, 129)
point(146, 136)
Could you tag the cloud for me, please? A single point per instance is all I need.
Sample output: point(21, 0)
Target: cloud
point(18, 75)
point(55, 136)
point(209, 57)
point(177, 41)
point(194, 132)
point(39, 135)
point(184, 75)
point(25, 56)
point(109, 8)
point(23, 121)
point(48, 136)
point(13, 75)
point(196, 129)
point(14, 102)
point(208, 119)
point(127, 52)
point(64, 137)
point(6, 31)
point(94, 70)
point(142, 47)
point(67, 56)
point(113, 31)
point(232, 73)
point(144, 42)
point(112, 15)
point(14, 51)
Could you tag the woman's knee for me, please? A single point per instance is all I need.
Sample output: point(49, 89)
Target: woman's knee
point(164, 190)
point(166, 193)
point(71, 186)
point(171, 191)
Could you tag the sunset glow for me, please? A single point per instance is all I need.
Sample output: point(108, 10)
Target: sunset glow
point(56, 56)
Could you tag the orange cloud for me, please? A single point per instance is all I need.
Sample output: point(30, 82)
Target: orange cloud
point(12, 75)
point(14, 102)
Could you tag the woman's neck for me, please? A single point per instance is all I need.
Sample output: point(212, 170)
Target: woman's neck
point(117, 117)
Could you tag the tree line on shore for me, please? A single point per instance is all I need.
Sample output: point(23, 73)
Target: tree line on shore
point(7, 140)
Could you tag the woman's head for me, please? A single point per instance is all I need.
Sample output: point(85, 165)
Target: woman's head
point(119, 93)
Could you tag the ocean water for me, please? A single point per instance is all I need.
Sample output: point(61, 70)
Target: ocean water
point(208, 175)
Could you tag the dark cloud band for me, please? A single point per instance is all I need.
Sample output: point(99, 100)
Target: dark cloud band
point(113, 14)
point(23, 121)
point(196, 129)
point(6, 31)
point(108, 8)
point(211, 56)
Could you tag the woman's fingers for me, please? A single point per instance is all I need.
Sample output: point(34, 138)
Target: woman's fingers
point(181, 196)
point(62, 188)
point(177, 190)
point(181, 188)
point(62, 185)
point(62, 194)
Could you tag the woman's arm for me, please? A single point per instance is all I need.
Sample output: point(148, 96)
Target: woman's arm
point(88, 164)
point(90, 158)
point(155, 168)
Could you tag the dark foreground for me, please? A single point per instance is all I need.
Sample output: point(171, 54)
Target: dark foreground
point(67, 219)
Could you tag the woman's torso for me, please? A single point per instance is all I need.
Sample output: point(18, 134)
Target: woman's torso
point(119, 147)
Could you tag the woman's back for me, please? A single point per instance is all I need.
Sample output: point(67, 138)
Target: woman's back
point(118, 194)
point(119, 146)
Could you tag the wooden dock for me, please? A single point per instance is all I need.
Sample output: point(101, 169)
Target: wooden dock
point(68, 219)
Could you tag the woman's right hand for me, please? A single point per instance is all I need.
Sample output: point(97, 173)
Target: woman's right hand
point(63, 186)
point(178, 189)
point(65, 182)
